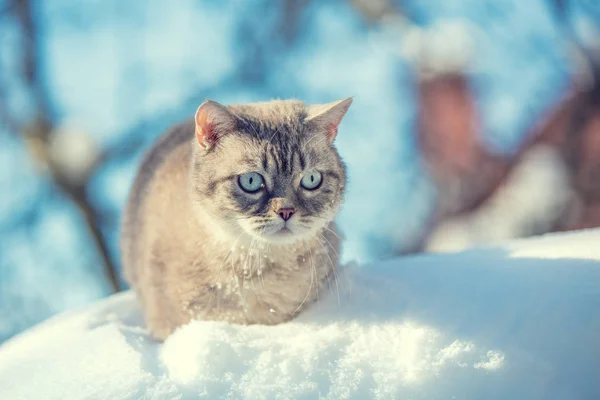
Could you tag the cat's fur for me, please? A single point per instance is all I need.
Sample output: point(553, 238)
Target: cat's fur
point(195, 245)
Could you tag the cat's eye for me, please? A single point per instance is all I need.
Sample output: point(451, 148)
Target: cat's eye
point(311, 180)
point(251, 182)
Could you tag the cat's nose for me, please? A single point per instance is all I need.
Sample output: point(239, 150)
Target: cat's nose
point(286, 213)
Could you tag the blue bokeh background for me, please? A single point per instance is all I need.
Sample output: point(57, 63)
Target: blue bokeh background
point(122, 72)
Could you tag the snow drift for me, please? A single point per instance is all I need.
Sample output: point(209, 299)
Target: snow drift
point(517, 321)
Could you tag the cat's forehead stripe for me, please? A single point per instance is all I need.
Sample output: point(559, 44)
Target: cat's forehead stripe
point(288, 161)
point(283, 125)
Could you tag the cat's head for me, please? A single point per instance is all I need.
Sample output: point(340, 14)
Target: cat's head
point(269, 170)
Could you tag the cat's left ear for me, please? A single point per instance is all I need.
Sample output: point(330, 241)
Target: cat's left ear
point(327, 117)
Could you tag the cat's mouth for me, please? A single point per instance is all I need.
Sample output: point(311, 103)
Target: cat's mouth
point(284, 230)
point(278, 231)
point(279, 234)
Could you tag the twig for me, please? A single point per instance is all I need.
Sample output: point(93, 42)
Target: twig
point(43, 128)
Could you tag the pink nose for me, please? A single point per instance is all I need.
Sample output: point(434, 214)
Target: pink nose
point(286, 213)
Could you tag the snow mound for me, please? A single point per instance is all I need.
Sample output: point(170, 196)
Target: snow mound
point(518, 321)
point(339, 360)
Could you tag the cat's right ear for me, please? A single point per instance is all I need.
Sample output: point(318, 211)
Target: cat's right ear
point(213, 120)
point(327, 117)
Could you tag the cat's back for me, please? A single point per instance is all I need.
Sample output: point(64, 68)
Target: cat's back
point(171, 150)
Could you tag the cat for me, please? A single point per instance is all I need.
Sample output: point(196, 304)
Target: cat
point(230, 217)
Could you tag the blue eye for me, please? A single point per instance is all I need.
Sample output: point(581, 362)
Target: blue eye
point(251, 182)
point(311, 180)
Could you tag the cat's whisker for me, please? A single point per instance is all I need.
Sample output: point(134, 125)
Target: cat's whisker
point(309, 140)
point(332, 232)
point(248, 267)
point(327, 219)
point(262, 265)
point(259, 219)
point(333, 270)
point(275, 133)
point(254, 129)
point(248, 254)
point(229, 253)
point(314, 270)
point(262, 277)
point(235, 114)
point(322, 140)
point(219, 270)
point(336, 281)
point(235, 276)
point(262, 227)
point(307, 293)
point(256, 268)
point(329, 243)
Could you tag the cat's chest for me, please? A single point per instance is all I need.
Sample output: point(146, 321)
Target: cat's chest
point(264, 287)
point(259, 273)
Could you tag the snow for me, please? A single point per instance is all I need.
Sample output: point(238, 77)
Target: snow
point(520, 320)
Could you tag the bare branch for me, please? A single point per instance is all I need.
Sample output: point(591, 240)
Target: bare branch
point(36, 135)
point(79, 198)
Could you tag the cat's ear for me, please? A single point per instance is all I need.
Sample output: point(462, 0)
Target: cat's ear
point(327, 117)
point(212, 121)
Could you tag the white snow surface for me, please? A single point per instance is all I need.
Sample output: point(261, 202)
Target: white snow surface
point(518, 321)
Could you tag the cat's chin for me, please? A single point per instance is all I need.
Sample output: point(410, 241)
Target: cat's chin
point(279, 233)
point(282, 237)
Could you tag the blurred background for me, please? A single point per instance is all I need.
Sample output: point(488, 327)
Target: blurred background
point(474, 121)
